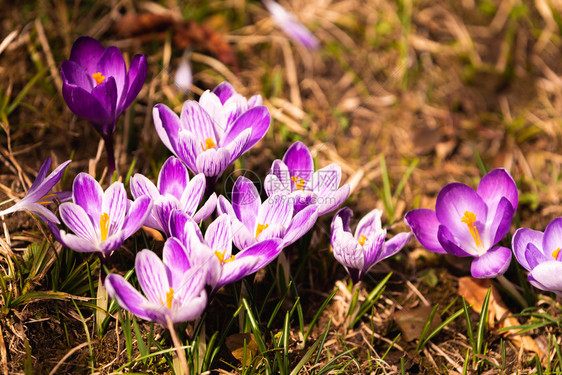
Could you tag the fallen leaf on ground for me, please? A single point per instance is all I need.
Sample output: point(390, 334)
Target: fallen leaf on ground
point(235, 345)
point(474, 291)
point(412, 321)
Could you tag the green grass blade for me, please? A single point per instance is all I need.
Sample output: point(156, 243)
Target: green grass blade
point(427, 326)
point(469, 331)
point(440, 327)
point(318, 313)
point(483, 323)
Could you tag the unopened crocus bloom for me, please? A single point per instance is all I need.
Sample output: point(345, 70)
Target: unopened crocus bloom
point(213, 132)
point(97, 86)
point(37, 196)
point(254, 221)
point(295, 176)
point(169, 295)
point(359, 252)
point(184, 76)
point(539, 253)
point(174, 191)
point(291, 26)
point(470, 223)
point(215, 248)
point(100, 221)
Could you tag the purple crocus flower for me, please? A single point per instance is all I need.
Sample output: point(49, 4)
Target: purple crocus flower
point(294, 175)
point(37, 198)
point(213, 132)
point(254, 221)
point(98, 87)
point(470, 223)
point(216, 249)
point(169, 295)
point(539, 253)
point(100, 221)
point(174, 190)
point(360, 252)
point(291, 26)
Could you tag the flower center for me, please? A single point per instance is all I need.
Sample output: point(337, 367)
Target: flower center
point(98, 77)
point(221, 257)
point(208, 144)
point(299, 182)
point(104, 226)
point(260, 229)
point(169, 298)
point(46, 199)
point(469, 218)
point(362, 239)
point(555, 253)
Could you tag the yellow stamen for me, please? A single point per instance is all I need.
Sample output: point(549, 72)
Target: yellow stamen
point(469, 218)
point(170, 298)
point(362, 240)
point(555, 253)
point(299, 182)
point(260, 228)
point(45, 200)
point(104, 226)
point(98, 77)
point(208, 144)
point(221, 257)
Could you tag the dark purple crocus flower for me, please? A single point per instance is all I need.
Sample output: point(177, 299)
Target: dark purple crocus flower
point(254, 221)
point(470, 223)
point(37, 196)
point(174, 191)
point(295, 176)
point(539, 253)
point(369, 246)
point(101, 221)
point(291, 26)
point(179, 297)
point(97, 86)
point(212, 133)
point(215, 249)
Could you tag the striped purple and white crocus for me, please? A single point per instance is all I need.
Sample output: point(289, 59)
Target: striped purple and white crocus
point(100, 221)
point(174, 190)
point(210, 134)
point(359, 252)
point(291, 26)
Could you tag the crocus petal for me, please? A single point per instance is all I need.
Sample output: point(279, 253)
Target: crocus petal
point(213, 106)
point(493, 263)
point(299, 161)
point(112, 64)
point(213, 162)
point(224, 91)
point(254, 101)
point(137, 215)
point(83, 104)
point(239, 145)
point(346, 250)
point(207, 209)
point(453, 201)
point(373, 248)
point(369, 225)
point(282, 183)
point(78, 243)
point(74, 74)
point(533, 256)
point(106, 93)
point(40, 210)
point(173, 177)
point(175, 258)
point(140, 185)
point(137, 75)
point(152, 276)
point(547, 276)
point(276, 209)
point(183, 227)
point(502, 221)
point(496, 184)
point(452, 245)
point(219, 235)
point(266, 252)
point(395, 244)
point(424, 225)
point(325, 181)
point(333, 201)
point(193, 193)
point(300, 225)
point(167, 124)
point(272, 185)
point(78, 221)
point(345, 214)
point(552, 239)
point(113, 242)
point(115, 205)
point(243, 237)
point(88, 194)
point(87, 51)
point(198, 122)
point(290, 26)
point(257, 118)
point(163, 207)
point(39, 190)
point(187, 147)
point(272, 231)
point(235, 271)
point(192, 310)
point(127, 297)
point(246, 201)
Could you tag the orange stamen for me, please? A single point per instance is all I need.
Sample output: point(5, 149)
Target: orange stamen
point(555, 253)
point(260, 228)
point(469, 218)
point(45, 200)
point(170, 298)
point(362, 239)
point(208, 144)
point(98, 77)
point(299, 182)
point(104, 226)
point(221, 257)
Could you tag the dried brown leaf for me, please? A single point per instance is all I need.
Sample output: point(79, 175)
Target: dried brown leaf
point(412, 321)
point(240, 342)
